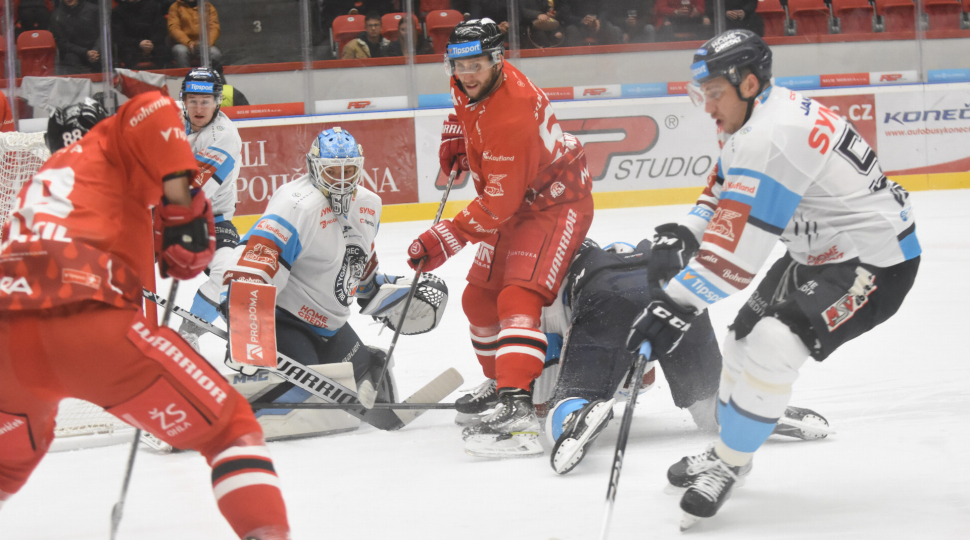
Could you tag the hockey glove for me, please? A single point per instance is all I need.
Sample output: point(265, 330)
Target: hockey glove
point(673, 246)
point(663, 324)
point(185, 238)
point(437, 245)
point(452, 145)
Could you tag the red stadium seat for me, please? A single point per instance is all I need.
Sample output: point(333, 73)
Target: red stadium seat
point(943, 14)
point(344, 29)
point(774, 16)
point(390, 22)
point(427, 6)
point(811, 17)
point(440, 24)
point(3, 58)
point(36, 50)
point(855, 15)
point(897, 15)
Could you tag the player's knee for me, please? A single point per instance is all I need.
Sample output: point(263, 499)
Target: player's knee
point(479, 306)
point(520, 307)
point(774, 353)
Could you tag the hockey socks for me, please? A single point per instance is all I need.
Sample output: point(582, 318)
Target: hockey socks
point(248, 493)
point(485, 342)
point(520, 356)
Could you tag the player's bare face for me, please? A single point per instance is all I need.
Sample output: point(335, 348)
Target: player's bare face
point(722, 103)
point(200, 108)
point(477, 75)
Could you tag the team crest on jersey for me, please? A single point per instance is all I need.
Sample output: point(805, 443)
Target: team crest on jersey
point(262, 254)
point(557, 189)
point(494, 187)
point(355, 258)
point(727, 224)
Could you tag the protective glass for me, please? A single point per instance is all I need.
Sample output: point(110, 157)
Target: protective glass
point(700, 96)
point(475, 64)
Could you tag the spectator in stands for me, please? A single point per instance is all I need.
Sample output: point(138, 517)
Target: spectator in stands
point(497, 10)
point(679, 20)
point(6, 115)
point(33, 15)
point(370, 43)
point(738, 14)
point(138, 29)
point(542, 27)
point(231, 96)
point(406, 29)
point(185, 30)
point(634, 18)
point(587, 24)
point(77, 33)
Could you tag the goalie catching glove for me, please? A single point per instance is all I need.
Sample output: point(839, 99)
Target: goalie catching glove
point(185, 237)
point(385, 302)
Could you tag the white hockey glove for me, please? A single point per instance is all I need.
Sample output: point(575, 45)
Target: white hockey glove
point(387, 302)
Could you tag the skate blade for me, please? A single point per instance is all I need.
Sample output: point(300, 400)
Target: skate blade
point(808, 428)
point(688, 520)
point(571, 451)
point(518, 445)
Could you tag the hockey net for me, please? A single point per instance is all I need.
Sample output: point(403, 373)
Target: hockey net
point(21, 155)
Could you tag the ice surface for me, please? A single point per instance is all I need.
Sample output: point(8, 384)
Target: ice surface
point(899, 398)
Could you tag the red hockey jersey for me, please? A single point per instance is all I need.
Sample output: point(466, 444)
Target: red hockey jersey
point(81, 228)
point(520, 159)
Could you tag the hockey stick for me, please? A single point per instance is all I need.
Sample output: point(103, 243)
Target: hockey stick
point(333, 392)
point(119, 506)
point(344, 406)
point(367, 393)
point(641, 365)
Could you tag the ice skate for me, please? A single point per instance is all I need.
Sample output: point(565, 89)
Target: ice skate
point(578, 423)
point(713, 483)
point(511, 431)
point(682, 474)
point(803, 424)
point(474, 407)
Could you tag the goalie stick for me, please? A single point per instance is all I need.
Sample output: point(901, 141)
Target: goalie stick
point(387, 418)
point(368, 390)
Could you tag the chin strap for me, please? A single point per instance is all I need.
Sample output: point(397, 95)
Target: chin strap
point(750, 100)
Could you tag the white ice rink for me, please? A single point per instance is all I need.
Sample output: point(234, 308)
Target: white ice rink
point(898, 468)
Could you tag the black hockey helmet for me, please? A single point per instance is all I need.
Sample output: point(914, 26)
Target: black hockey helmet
point(727, 53)
point(202, 81)
point(477, 37)
point(68, 124)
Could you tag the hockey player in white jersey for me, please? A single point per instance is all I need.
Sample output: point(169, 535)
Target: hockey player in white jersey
point(315, 244)
point(217, 146)
point(790, 169)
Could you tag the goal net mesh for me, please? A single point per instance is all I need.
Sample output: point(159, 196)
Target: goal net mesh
point(21, 155)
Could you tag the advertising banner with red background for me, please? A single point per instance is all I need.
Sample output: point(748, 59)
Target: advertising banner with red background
point(273, 155)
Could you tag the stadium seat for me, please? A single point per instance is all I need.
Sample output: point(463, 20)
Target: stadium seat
point(811, 17)
point(896, 15)
point(440, 24)
point(965, 16)
point(390, 22)
point(427, 6)
point(344, 29)
point(942, 14)
point(775, 17)
point(36, 51)
point(855, 16)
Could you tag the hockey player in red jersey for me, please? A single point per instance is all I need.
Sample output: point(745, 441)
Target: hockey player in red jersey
point(75, 257)
point(531, 214)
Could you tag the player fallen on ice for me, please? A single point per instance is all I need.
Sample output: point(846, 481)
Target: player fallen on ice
point(790, 169)
point(71, 325)
point(531, 214)
point(604, 290)
point(217, 146)
point(315, 244)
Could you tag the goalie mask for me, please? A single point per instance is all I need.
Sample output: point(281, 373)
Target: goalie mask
point(68, 124)
point(335, 163)
point(426, 309)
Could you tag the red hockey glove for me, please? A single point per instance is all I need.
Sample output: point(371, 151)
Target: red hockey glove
point(438, 244)
point(452, 145)
point(185, 238)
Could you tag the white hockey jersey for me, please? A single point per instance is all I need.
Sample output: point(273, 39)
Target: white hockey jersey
point(798, 171)
point(315, 258)
point(218, 150)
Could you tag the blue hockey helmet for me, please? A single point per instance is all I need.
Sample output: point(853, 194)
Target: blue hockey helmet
point(201, 81)
point(335, 163)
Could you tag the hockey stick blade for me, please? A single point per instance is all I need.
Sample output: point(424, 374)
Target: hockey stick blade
point(341, 406)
